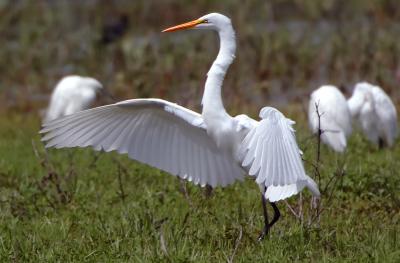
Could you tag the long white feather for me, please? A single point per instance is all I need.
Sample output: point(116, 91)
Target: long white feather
point(153, 130)
point(271, 154)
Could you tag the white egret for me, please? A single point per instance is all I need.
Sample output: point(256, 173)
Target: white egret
point(210, 148)
point(72, 94)
point(334, 122)
point(375, 112)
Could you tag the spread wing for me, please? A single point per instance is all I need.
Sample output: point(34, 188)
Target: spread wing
point(152, 131)
point(271, 155)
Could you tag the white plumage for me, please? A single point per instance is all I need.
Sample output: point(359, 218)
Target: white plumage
point(375, 113)
point(212, 148)
point(273, 157)
point(335, 118)
point(153, 131)
point(72, 94)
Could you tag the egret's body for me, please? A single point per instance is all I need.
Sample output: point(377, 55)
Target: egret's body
point(375, 112)
point(211, 148)
point(335, 119)
point(72, 94)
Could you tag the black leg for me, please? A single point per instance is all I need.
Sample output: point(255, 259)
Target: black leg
point(381, 143)
point(277, 214)
point(266, 224)
point(208, 191)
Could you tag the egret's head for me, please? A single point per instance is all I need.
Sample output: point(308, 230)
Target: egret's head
point(93, 83)
point(213, 21)
point(361, 96)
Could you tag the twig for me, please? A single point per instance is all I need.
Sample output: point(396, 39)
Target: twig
point(121, 168)
point(159, 226)
point(95, 159)
point(318, 142)
point(183, 189)
point(334, 185)
point(52, 176)
point(45, 196)
point(35, 151)
point(162, 241)
point(291, 209)
point(317, 173)
point(121, 187)
point(44, 161)
point(338, 173)
point(230, 260)
point(301, 215)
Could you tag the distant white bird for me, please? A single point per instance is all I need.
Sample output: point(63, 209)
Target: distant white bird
point(212, 148)
point(335, 118)
point(72, 94)
point(375, 112)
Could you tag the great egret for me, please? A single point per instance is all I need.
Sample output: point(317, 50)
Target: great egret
point(72, 94)
point(335, 119)
point(375, 112)
point(212, 148)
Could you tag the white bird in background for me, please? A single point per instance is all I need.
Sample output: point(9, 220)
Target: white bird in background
point(375, 112)
point(335, 119)
point(211, 148)
point(72, 94)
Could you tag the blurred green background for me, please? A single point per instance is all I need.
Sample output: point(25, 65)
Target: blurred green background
point(285, 49)
point(70, 204)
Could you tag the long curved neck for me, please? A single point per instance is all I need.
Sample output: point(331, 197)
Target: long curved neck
point(357, 101)
point(212, 100)
point(354, 104)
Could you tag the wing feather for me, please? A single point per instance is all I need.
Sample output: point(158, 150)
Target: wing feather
point(156, 132)
point(210, 156)
point(57, 131)
point(138, 138)
point(115, 136)
point(98, 130)
point(271, 155)
point(196, 166)
point(119, 141)
point(163, 153)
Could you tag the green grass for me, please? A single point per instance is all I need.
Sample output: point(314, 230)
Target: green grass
point(89, 220)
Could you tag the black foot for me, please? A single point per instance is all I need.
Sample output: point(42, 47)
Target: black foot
point(208, 191)
point(277, 215)
point(381, 143)
point(266, 223)
point(264, 233)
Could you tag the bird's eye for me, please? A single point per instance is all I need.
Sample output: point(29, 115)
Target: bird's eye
point(205, 21)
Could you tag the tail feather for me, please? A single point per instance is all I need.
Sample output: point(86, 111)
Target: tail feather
point(276, 193)
point(313, 187)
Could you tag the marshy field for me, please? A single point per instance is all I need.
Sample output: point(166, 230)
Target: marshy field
point(75, 205)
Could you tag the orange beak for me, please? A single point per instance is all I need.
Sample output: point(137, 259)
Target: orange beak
point(187, 25)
